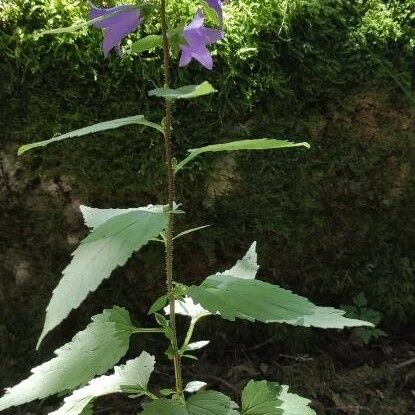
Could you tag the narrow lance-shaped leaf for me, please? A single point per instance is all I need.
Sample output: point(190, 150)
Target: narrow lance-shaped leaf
point(91, 352)
point(270, 398)
point(102, 126)
point(77, 26)
point(147, 43)
point(257, 144)
point(108, 246)
point(201, 403)
point(252, 300)
point(184, 92)
point(135, 374)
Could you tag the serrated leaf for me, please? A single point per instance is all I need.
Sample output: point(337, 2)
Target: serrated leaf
point(246, 267)
point(201, 403)
point(252, 300)
point(134, 374)
point(91, 352)
point(94, 217)
point(102, 126)
point(241, 145)
point(108, 246)
point(270, 398)
point(147, 43)
point(194, 386)
point(184, 92)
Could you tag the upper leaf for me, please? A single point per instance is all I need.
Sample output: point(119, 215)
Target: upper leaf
point(134, 374)
point(257, 144)
point(94, 217)
point(147, 43)
point(102, 126)
point(251, 299)
point(270, 398)
point(184, 92)
point(109, 245)
point(201, 403)
point(91, 352)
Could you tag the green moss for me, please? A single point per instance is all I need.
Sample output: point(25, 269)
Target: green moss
point(330, 222)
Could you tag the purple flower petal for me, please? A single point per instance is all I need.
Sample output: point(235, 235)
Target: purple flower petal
point(197, 38)
point(121, 21)
point(217, 6)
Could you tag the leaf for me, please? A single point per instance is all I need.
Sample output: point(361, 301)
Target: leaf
point(135, 374)
point(197, 345)
point(184, 92)
point(194, 386)
point(246, 267)
point(270, 398)
point(186, 232)
point(147, 43)
point(252, 300)
point(158, 304)
point(91, 352)
point(257, 144)
point(94, 217)
point(102, 126)
point(108, 245)
point(201, 403)
point(78, 26)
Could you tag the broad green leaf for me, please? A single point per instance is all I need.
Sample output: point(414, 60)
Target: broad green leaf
point(184, 92)
point(108, 246)
point(257, 144)
point(201, 403)
point(246, 267)
point(252, 300)
point(270, 398)
point(102, 126)
point(147, 43)
point(194, 386)
point(91, 352)
point(94, 217)
point(135, 374)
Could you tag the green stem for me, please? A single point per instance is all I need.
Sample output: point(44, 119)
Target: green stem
point(171, 195)
point(149, 330)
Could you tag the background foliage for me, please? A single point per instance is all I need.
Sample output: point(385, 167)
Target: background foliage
point(330, 222)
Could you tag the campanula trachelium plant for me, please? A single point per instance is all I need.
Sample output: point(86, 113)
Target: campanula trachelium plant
point(79, 367)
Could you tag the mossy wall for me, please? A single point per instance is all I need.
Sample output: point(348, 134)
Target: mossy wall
point(330, 222)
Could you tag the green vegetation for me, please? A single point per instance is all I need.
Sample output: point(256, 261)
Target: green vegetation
point(331, 222)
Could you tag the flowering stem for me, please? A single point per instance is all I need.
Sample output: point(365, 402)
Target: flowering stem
point(171, 195)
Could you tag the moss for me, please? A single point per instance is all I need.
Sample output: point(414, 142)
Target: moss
point(330, 222)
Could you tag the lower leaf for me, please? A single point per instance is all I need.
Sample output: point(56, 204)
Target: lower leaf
point(91, 352)
point(134, 374)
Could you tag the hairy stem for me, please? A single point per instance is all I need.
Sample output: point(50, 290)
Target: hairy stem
point(171, 195)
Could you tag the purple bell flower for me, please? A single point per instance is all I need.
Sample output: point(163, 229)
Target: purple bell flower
point(217, 6)
point(121, 21)
point(197, 38)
